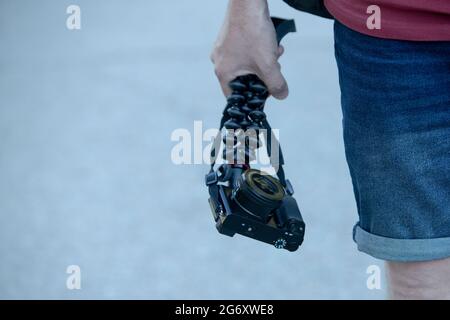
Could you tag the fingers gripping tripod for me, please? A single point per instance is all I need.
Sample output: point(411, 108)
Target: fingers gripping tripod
point(245, 200)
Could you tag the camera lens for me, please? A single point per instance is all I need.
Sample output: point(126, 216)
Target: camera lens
point(258, 194)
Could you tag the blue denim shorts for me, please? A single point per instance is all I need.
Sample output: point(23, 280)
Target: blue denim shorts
point(395, 98)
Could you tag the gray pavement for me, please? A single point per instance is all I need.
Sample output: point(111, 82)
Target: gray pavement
point(86, 176)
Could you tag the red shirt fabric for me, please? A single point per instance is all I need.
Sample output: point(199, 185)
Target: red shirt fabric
point(417, 20)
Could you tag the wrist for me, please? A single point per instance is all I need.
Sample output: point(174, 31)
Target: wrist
point(242, 10)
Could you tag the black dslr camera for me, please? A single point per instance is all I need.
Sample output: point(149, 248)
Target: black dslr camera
point(245, 200)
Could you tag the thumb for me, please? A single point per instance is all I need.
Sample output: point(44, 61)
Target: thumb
point(275, 82)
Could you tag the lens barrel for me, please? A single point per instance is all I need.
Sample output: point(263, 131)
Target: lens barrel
point(258, 194)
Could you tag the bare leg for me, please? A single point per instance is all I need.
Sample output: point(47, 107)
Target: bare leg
point(419, 280)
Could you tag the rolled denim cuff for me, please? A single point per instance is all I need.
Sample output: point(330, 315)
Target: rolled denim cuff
point(401, 250)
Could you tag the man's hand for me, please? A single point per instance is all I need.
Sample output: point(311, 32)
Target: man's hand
point(247, 44)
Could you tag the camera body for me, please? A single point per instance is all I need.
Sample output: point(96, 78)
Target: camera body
point(256, 205)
